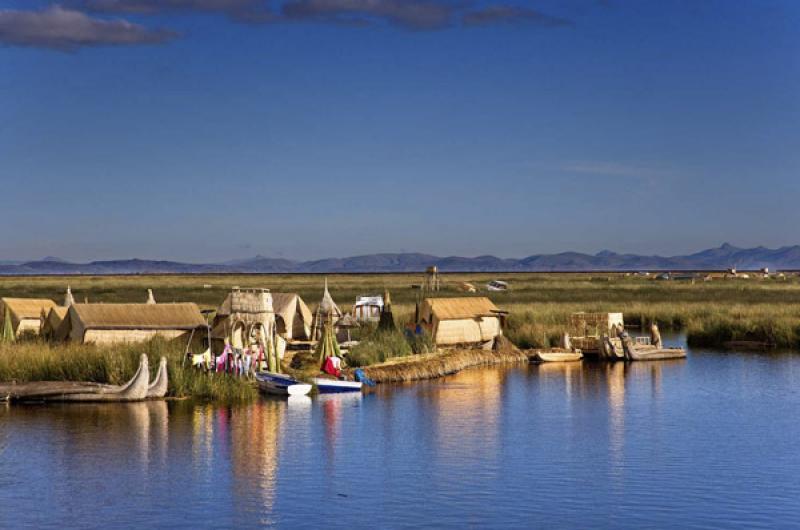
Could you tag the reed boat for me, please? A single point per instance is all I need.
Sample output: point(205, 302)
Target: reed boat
point(556, 357)
point(654, 354)
point(333, 386)
point(46, 391)
point(158, 387)
point(281, 385)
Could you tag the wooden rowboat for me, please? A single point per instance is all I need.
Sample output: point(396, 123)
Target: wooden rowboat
point(556, 357)
point(281, 385)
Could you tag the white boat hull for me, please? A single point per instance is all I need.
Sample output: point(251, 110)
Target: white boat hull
point(281, 385)
point(334, 386)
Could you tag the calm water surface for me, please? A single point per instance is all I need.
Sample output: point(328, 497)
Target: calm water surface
point(711, 441)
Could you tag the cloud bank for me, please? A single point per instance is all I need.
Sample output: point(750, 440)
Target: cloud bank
point(65, 29)
point(417, 15)
point(85, 23)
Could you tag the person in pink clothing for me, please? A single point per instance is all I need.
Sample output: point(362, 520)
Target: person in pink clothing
point(223, 359)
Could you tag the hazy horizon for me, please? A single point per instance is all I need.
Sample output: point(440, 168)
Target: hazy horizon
point(207, 131)
point(318, 258)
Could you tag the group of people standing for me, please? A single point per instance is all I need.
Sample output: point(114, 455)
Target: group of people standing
point(241, 361)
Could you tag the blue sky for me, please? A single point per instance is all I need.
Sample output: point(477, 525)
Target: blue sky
point(219, 129)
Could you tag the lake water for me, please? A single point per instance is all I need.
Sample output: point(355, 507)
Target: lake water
point(710, 441)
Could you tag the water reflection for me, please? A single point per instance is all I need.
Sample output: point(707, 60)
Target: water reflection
point(503, 447)
point(334, 408)
point(467, 409)
point(255, 446)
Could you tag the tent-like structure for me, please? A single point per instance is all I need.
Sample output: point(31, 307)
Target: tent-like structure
point(115, 323)
point(293, 318)
point(467, 320)
point(327, 312)
point(52, 321)
point(386, 321)
point(68, 298)
point(25, 313)
point(150, 298)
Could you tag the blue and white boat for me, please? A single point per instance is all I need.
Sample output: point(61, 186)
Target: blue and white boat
point(281, 384)
point(335, 386)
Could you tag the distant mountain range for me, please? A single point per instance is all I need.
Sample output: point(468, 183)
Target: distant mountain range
point(723, 257)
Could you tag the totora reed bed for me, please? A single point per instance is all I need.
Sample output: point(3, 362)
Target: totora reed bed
point(432, 365)
point(40, 361)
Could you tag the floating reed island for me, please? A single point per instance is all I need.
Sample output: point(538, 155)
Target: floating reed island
point(441, 326)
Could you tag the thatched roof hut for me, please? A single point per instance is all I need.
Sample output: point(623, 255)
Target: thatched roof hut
point(243, 315)
point(26, 313)
point(465, 320)
point(113, 323)
point(327, 311)
point(53, 321)
point(293, 318)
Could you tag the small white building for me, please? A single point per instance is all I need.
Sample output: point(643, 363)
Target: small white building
point(368, 308)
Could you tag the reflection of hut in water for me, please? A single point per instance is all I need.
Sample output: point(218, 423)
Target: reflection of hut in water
point(246, 317)
point(468, 413)
point(255, 437)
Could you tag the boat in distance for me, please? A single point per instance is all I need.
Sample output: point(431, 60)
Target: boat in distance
point(281, 385)
point(556, 357)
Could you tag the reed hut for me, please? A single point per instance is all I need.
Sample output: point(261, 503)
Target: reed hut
point(595, 324)
point(466, 320)
point(121, 323)
point(242, 315)
point(327, 312)
point(26, 313)
point(293, 318)
point(52, 321)
point(246, 319)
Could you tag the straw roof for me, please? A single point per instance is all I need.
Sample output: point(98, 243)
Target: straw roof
point(27, 308)
point(138, 316)
point(58, 312)
point(253, 301)
point(53, 320)
point(460, 308)
point(327, 306)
